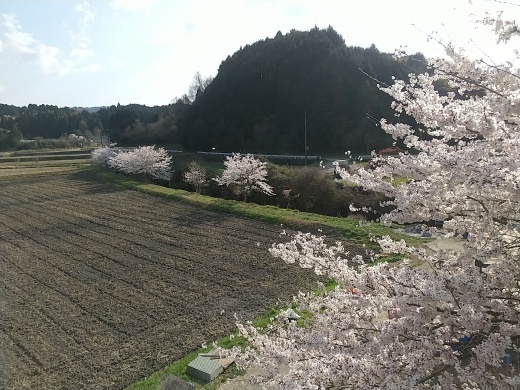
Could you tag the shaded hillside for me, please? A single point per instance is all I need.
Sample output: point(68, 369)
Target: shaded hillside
point(127, 125)
point(258, 100)
point(137, 124)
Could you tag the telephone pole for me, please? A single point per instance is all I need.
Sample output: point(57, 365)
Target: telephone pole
point(305, 135)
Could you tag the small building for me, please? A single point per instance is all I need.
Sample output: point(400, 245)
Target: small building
point(204, 368)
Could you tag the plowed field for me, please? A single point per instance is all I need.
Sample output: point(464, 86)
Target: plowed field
point(100, 286)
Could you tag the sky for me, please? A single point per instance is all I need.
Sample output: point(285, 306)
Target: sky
point(102, 52)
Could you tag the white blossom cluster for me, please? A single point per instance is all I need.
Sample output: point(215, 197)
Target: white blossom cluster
point(244, 174)
point(101, 156)
point(145, 161)
point(442, 319)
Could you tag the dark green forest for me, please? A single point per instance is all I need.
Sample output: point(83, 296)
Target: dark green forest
point(262, 99)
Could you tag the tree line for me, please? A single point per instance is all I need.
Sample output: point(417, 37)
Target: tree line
point(128, 125)
point(278, 95)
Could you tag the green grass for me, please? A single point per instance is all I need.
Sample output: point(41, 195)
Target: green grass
point(12, 173)
point(264, 319)
point(40, 152)
point(54, 162)
point(178, 367)
point(330, 285)
point(39, 159)
point(397, 180)
point(341, 228)
point(42, 162)
point(390, 258)
point(231, 341)
point(349, 184)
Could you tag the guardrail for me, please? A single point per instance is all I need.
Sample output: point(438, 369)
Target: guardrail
point(267, 156)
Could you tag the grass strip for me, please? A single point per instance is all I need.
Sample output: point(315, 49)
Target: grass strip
point(42, 157)
point(338, 227)
point(20, 173)
point(178, 367)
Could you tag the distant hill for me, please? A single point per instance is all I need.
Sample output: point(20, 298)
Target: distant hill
point(89, 109)
point(258, 100)
point(128, 125)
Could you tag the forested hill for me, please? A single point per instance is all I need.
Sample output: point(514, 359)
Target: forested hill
point(132, 124)
point(259, 102)
point(261, 95)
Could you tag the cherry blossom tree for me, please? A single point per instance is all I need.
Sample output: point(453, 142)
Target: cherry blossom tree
point(445, 319)
point(244, 174)
point(101, 156)
point(144, 161)
point(196, 176)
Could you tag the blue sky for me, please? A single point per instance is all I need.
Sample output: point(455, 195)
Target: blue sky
point(104, 52)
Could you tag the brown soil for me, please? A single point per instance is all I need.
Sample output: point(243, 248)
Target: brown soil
point(101, 286)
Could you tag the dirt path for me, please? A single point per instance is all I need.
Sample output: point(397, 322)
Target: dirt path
point(101, 286)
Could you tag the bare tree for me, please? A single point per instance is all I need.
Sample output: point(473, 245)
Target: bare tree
point(197, 87)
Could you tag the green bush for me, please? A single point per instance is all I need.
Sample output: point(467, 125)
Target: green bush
point(314, 190)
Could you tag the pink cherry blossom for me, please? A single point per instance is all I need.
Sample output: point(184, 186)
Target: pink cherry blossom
point(439, 319)
point(245, 174)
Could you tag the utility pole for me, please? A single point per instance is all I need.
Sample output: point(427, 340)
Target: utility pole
point(305, 135)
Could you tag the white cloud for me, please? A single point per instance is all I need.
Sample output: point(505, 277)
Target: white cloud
point(49, 62)
point(80, 54)
point(24, 50)
point(93, 68)
point(13, 38)
point(131, 5)
point(88, 15)
point(116, 63)
point(79, 39)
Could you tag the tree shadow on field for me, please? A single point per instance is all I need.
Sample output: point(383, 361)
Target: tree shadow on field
point(194, 217)
point(93, 185)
